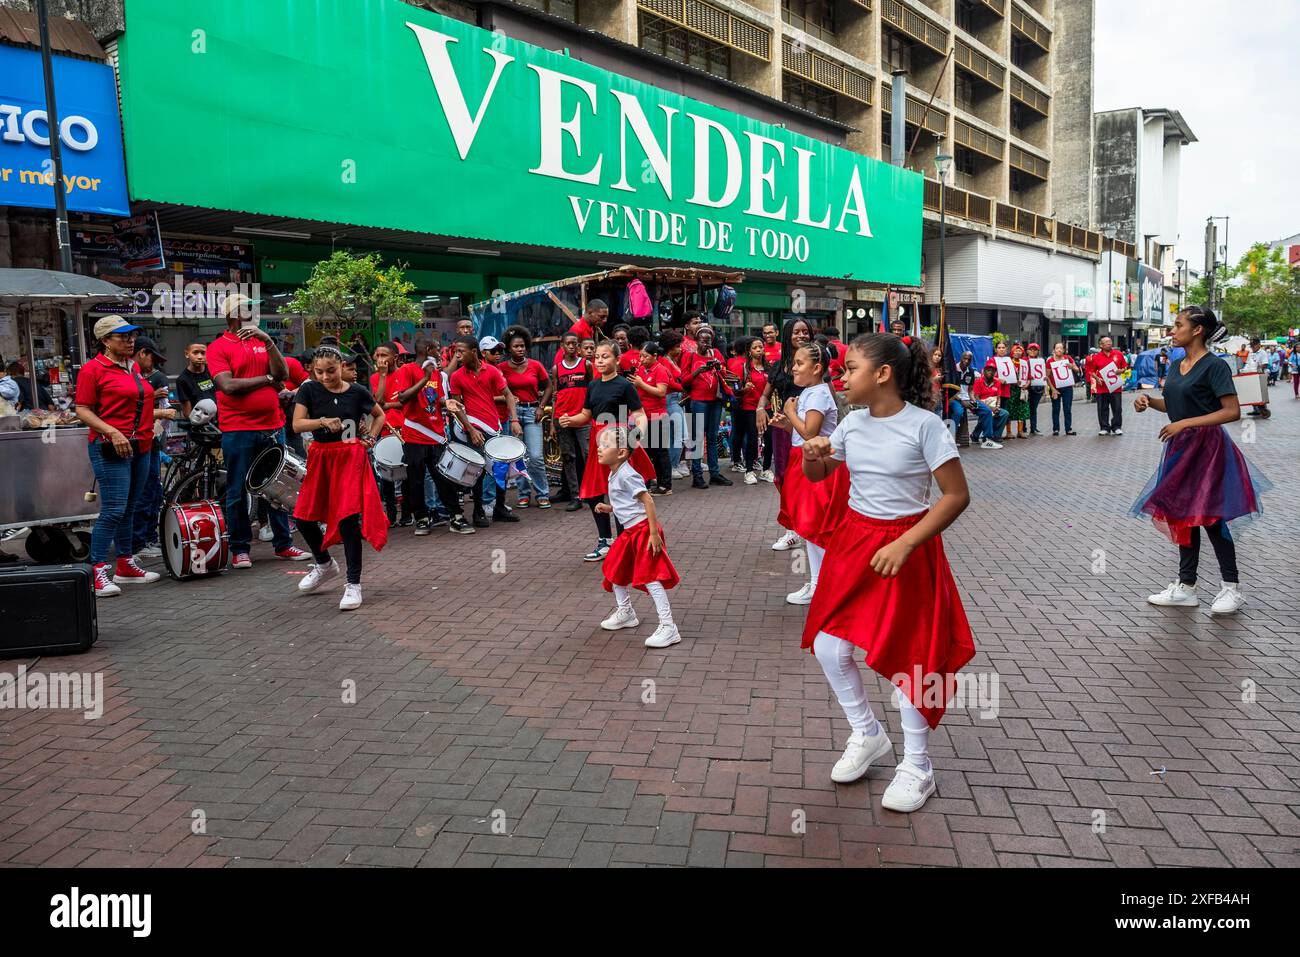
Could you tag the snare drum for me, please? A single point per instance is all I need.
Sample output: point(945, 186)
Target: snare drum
point(194, 540)
point(388, 459)
point(505, 448)
point(461, 464)
point(276, 475)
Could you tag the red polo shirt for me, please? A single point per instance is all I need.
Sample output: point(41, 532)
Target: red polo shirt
point(657, 375)
point(629, 360)
point(986, 390)
point(583, 329)
point(527, 384)
point(706, 386)
point(772, 353)
point(479, 390)
point(748, 399)
point(117, 396)
point(258, 410)
point(1098, 360)
point(393, 417)
point(422, 422)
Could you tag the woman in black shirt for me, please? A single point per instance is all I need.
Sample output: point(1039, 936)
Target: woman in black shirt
point(339, 488)
point(611, 400)
point(1203, 481)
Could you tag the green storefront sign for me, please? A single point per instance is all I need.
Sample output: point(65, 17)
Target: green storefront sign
point(1074, 327)
point(381, 114)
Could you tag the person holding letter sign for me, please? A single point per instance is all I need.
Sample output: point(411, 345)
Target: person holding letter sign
point(1037, 384)
point(1063, 372)
point(1203, 480)
point(1103, 370)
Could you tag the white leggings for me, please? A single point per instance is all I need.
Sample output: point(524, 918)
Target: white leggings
point(835, 655)
point(815, 555)
point(656, 591)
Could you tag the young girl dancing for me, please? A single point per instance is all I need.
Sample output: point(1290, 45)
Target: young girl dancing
point(638, 558)
point(886, 586)
point(810, 510)
point(339, 488)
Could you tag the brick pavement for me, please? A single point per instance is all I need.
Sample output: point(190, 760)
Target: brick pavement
point(487, 699)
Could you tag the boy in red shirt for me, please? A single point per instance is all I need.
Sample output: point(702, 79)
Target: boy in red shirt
point(475, 385)
point(568, 388)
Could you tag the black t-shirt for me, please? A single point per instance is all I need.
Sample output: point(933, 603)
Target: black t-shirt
point(353, 405)
point(613, 399)
point(25, 393)
point(783, 385)
point(192, 387)
point(1198, 392)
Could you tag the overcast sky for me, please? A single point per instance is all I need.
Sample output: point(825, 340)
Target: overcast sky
point(1230, 68)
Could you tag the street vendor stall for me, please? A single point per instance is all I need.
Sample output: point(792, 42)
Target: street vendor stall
point(45, 474)
point(548, 310)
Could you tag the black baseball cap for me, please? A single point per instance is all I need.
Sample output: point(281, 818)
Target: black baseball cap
point(145, 344)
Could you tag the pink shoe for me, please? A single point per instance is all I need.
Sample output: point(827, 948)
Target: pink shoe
point(293, 554)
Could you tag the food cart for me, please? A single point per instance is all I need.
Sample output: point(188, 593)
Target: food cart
point(45, 474)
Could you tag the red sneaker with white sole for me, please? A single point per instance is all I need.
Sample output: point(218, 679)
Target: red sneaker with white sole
point(292, 554)
point(104, 587)
point(129, 573)
point(241, 560)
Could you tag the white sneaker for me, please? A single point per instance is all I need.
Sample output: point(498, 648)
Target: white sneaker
point(909, 789)
point(767, 476)
point(663, 636)
point(149, 551)
point(737, 467)
point(624, 617)
point(861, 751)
point(990, 444)
point(803, 596)
point(1228, 600)
point(1176, 594)
point(786, 542)
point(751, 478)
point(1116, 431)
point(1103, 432)
point(317, 575)
point(351, 598)
point(265, 534)
point(681, 472)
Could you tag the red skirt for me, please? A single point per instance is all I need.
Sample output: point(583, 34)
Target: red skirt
point(912, 626)
point(812, 510)
point(630, 564)
point(340, 481)
point(595, 477)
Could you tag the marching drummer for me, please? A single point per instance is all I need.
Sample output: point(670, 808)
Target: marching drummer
point(476, 384)
point(339, 488)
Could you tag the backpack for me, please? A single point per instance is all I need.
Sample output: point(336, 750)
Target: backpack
point(726, 302)
point(638, 300)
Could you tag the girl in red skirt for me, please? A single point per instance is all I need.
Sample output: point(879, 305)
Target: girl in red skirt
point(638, 558)
point(339, 489)
point(811, 510)
point(886, 586)
point(611, 400)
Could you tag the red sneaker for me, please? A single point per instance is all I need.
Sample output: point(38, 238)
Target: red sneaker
point(104, 587)
point(293, 554)
point(241, 560)
point(129, 573)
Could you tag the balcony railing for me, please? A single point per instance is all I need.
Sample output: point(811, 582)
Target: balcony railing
point(915, 26)
point(1036, 100)
point(865, 4)
point(976, 139)
point(979, 209)
point(1028, 162)
point(965, 55)
point(714, 22)
point(997, 6)
point(822, 70)
point(1030, 28)
point(959, 202)
point(936, 120)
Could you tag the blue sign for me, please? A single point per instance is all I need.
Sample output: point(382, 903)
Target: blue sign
point(94, 173)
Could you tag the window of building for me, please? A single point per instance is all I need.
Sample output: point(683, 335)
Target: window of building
point(565, 9)
point(797, 91)
point(812, 16)
point(963, 163)
point(896, 52)
point(667, 39)
point(965, 92)
point(966, 16)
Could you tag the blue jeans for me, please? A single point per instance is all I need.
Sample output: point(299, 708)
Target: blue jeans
point(536, 458)
point(238, 449)
point(1064, 400)
point(991, 423)
point(144, 526)
point(432, 500)
point(121, 494)
point(676, 428)
point(706, 418)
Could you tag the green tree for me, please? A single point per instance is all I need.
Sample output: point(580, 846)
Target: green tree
point(356, 288)
point(1262, 294)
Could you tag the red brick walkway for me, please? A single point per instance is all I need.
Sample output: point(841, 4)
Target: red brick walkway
point(489, 699)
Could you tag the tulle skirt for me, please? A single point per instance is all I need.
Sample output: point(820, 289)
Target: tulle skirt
point(1203, 478)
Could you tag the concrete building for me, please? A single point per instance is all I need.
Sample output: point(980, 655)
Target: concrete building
point(1290, 247)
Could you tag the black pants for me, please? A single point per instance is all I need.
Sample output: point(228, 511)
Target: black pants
point(1110, 410)
point(388, 492)
point(1225, 551)
point(604, 529)
point(744, 437)
point(350, 530)
point(418, 459)
point(1035, 397)
point(767, 450)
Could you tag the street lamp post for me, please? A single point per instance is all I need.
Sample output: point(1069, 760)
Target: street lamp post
point(1110, 232)
point(942, 163)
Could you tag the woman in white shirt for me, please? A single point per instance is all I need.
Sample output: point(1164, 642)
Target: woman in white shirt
point(886, 585)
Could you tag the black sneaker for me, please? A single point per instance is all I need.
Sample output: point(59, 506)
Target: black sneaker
point(575, 505)
point(599, 552)
point(406, 521)
point(439, 519)
point(1056, 431)
point(720, 480)
point(500, 514)
point(699, 482)
point(1071, 432)
point(481, 519)
point(422, 526)
point(660, 490)
point(460, 526)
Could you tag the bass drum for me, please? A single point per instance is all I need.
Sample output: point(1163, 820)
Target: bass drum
point(194, 540)
point(276, 475)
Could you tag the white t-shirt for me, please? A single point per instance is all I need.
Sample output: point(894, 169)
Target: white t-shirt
point(625, 484)
point(820, 399)
point(1256, 362)
point(890, 459)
